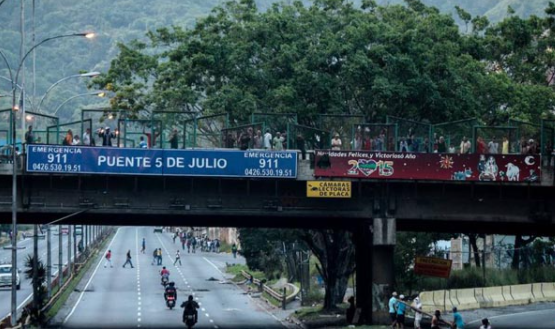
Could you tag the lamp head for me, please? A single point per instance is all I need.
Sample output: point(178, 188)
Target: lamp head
point(89, 35)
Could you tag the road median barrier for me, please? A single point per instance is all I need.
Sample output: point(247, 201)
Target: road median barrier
point(522, 294)
point(500, 296)
point(548, 289)
point(537, 293)
point(467, 299)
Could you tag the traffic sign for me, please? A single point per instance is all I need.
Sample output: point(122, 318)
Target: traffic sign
point(429, 266)
point(328, 189)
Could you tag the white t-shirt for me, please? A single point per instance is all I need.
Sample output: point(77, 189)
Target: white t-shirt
point(267, 141)
point(418, 315)
point(485, 327)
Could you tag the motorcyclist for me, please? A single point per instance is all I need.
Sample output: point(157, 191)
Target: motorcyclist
point(165, 275)
point(190, 306)
point(170, 291)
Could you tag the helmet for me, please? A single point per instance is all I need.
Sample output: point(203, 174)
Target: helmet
point(171, 284)
point(190, 298)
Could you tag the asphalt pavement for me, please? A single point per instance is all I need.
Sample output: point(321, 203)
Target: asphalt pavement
point(26, 291)
point(533, 316)
point(133, 297)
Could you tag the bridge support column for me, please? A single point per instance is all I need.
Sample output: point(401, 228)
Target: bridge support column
point(383, 272)
point(375, 242)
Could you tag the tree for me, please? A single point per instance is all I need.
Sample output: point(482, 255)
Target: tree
point(336, 253)
point(39, 289)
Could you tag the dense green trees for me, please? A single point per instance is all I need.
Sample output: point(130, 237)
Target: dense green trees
point(331, 57)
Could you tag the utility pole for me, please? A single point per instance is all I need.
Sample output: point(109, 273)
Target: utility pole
point(60, 259)
point(69, 250)
point(48, 261)
point(35, 262)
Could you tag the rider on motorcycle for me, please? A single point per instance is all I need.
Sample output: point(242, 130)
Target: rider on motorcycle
point(170, 291)
point(165, 275)
point(190, 307)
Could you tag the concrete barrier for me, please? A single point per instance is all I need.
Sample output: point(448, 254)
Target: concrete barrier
point(548, 290)
point(537, 293)
point(473, 298)
point(467, 299)
point(494, 297)
point(522, 294)
point(427, 299)
point(507, 294)
point(442, 300)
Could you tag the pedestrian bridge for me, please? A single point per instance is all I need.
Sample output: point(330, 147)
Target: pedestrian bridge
point(282, 200)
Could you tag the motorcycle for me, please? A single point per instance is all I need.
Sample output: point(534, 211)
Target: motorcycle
point(189, 319)
point(170, 302)
point(164, 281)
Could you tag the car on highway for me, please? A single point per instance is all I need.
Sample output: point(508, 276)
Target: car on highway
point(158, 229)
point(6, 276)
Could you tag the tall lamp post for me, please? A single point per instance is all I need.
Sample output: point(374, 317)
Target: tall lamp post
point(14, 80)
point(99, 93)
point(82, 75)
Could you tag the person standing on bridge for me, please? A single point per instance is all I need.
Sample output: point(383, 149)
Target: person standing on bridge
point(268, 140)
point(336, 143)
point(108, 258)
point(177, 258)
point(30, 136)
point(106, 136)
point(278, 142)
point(128, 259)
point(174, 139)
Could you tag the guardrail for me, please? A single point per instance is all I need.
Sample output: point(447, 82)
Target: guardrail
point(279, 296)
point(500, 296)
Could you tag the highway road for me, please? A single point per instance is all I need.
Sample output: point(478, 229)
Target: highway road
point(25, 293)
point(536, 319)
point(133, 297)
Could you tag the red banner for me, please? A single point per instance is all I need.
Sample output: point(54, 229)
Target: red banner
point(428, 166)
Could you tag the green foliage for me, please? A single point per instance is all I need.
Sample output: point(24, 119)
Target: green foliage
point(263, 250)
point(409, 246)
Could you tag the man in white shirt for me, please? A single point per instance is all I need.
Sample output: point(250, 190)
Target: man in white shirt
point(268, 140)
point(418, 313)
point(87, 137)
point(493, 146)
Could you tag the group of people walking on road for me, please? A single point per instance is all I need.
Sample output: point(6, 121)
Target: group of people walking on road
point(398, 307)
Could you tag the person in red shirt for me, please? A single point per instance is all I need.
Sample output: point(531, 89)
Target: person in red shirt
point(108, 258)
point(164, 272)
point(151, 136)
point(480, 146)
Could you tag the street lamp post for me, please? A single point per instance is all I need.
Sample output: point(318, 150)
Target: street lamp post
point(82, 75)
point(14, 80)
point(98, 93)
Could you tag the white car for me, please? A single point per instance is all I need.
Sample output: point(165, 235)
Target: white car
point(6, 276)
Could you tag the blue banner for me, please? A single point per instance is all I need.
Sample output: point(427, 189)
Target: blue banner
point(127, 161)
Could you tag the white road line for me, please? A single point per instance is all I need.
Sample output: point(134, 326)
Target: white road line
point(214, 265)
point(511, 314)
point(90, 279)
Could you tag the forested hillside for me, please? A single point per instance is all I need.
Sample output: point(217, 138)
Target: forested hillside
point(123, 20)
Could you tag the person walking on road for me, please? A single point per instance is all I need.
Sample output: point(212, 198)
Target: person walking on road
point(458, 322)
point(159, 255)
point(143, 246)
point(108, 258)
point(401, 307)
point(485, 324)
point(234, 250)
point(436, 319)
point(393, 309)
point(418, 312)
point(128, 259)
point(154, 257)
point(177, 258)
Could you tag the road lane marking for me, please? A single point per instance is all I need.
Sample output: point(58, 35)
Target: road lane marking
point(90, 279)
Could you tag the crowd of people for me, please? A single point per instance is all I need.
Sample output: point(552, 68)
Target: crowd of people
point(398, 307)
point(364, 140)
